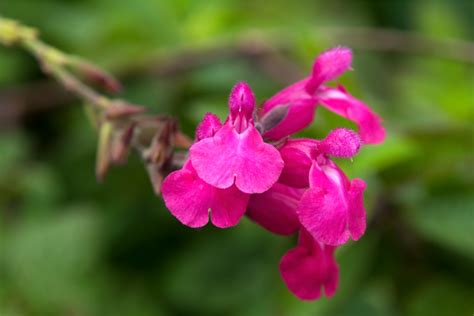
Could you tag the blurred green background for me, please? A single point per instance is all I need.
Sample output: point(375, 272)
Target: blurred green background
point(71, 246)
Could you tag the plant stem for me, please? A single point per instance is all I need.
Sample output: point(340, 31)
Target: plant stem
point(54, 62)
point(116, 119)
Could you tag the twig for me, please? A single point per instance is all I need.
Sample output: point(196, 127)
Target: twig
point(53, 61)
point(117, 120)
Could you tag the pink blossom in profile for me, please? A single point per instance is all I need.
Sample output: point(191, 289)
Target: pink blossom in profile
point(331, 209)
point(303, 97)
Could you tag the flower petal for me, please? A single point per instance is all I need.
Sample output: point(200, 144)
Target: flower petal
point(323, 209)
point(191, 200)
point(208, 127)
point(324, 216)
point(301, 108)
point(328, 66)
point(332, 272)
point(243, 158)
point(288, 95)
point(275, 209)
point(344, 104)
point(228, 206)
point(357, 214)
point(309, 267)
point(297, 157)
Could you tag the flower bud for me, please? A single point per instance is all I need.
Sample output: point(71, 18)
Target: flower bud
point(97, 76)
point(120, 147)
point(103, 150)
point(120, 109)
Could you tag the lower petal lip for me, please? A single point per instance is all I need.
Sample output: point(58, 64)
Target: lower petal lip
point(243, 159)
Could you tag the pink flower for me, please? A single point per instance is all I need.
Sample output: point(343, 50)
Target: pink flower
point(310, 267)
point(237, 154)
point(227, 162)
point(288, 185)
point(302, 98)
point(298, 154)
point(331, 208)
point(192, 201)
point(314, 197)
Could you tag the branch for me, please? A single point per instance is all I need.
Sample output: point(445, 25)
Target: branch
point(120, 123)
point(58, 64)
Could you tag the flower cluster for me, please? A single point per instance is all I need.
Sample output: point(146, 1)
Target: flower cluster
point(250, 165)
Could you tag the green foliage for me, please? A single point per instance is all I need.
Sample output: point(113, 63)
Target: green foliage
point(71, 246)
point(46, 260)
point(448, 221)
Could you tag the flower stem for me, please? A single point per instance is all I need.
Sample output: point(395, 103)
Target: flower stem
point(117, 121)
